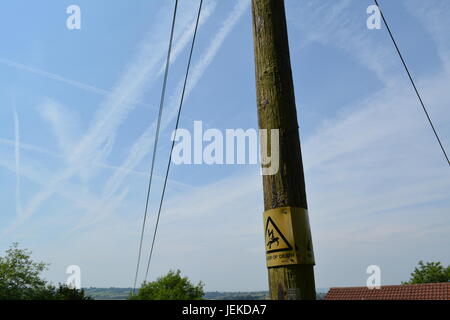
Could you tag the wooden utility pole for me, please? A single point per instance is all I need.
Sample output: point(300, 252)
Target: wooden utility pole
point(289, 251)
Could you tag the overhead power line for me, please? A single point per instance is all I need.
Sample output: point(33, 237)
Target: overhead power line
point(155, 144)
point(413, 83)
point(174, 138)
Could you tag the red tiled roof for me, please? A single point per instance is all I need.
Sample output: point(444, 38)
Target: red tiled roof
point(426, 291)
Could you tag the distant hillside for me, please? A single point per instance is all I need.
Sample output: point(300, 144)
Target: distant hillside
point(253, 295)
point(122, 294)
point(108, 293)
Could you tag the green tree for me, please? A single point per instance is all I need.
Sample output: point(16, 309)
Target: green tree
point(170, 287)
point(21, 279)
point(63, 292)
point(20, 276)
point(430, 272)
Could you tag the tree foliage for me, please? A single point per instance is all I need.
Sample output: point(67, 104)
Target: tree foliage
point(430, 272)
point(21, 279)
point(170, 287)
point(63, 292)
point(20, 276)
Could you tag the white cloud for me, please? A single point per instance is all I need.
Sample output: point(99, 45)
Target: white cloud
point(63, 121)
point(17, 160)
point(96, 144)
point(342, 24)
point(144, 143)
point(376, 179)
point(433, 15)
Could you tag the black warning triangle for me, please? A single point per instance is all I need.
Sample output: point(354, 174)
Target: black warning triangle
point(275, 240)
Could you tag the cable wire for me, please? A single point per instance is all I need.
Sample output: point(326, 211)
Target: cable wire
point(412, 82)
point(155, 144)
point(174, 138)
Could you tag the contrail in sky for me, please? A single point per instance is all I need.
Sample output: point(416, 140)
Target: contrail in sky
point(143, 144)
point(57, 77)
point(17, 157)
point(137, 77)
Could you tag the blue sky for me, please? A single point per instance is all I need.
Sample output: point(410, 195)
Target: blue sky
point(77, 127)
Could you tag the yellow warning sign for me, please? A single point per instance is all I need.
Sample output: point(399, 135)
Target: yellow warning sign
point(275, 239)
point(287, 237)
